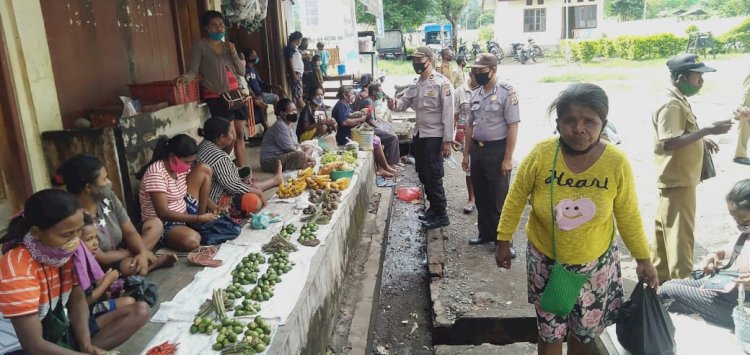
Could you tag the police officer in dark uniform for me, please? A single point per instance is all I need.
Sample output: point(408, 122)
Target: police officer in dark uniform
point(431, 97)
point(491, 133)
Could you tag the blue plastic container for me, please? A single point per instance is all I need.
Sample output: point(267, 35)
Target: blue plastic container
point(341, 68)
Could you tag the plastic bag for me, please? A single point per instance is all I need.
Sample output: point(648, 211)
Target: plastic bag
point(644, 326)
point(128, 109)
point(408, 194)
point(142, 289)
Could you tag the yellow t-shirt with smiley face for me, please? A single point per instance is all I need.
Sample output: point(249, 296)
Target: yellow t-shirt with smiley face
point(584, 205)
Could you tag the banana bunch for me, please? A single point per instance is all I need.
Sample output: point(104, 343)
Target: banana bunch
point(340, 184)
point(318, 182)
point(291, 188)
point(304, 174)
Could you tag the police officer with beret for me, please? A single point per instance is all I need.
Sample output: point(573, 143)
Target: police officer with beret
point(491, 133)
point(431, 97)
point(679, 147)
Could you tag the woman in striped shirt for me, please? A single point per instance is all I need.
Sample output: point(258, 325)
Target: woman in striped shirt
point(175, 191)
point(227, 187)
point(37, 283)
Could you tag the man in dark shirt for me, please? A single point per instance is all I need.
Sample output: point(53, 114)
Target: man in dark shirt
point(261, 99)
point(295, 68)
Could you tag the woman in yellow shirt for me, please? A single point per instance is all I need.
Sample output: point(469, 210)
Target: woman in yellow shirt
point(590, 184)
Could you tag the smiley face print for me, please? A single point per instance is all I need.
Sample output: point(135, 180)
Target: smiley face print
point(570, 214)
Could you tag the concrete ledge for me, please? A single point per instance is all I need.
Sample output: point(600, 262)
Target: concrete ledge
point(309, 326)
point(435, 252)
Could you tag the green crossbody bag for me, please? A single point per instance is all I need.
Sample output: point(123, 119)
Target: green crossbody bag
point(563, 286)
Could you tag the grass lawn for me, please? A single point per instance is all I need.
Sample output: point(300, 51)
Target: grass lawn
point(396, 67)
point(579, 76)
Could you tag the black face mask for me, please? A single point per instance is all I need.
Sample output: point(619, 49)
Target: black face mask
point(292, 117)
point(482, 78)
point(419, 67)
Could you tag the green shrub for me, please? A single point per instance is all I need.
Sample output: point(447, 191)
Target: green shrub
point(410, 50)
point(629, 47)
point(584, 51)
point(690, 29)
point(739, 34)
point(486, 33)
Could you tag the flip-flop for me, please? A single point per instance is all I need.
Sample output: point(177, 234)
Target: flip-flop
point(204, 256)
point(469, 208)
point(382, 182)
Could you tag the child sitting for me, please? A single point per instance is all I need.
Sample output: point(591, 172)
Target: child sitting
point(101, 289)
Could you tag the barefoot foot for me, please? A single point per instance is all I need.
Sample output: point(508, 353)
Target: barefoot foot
point(383, 173)
point(278, 177)
point(164, 260)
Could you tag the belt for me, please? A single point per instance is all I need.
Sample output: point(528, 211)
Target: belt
point(487, 143)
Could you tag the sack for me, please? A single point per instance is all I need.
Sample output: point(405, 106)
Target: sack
point(708, 170)
point(235, 99)
point(562, 290)
point(142, 289)
point(644, 326)
point(217, 231)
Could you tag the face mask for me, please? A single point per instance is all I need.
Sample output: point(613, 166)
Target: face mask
point(56, 257)
point(482, 78)
point(291, 117)
point(178, 166)
point(318, 101)
point(419, 67)
point(744, 229)
point(254, 61)
point(381, 95)
point(687, 89)
point(216, 36)
point(102, 192)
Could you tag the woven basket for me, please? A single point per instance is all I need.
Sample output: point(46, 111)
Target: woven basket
point(741, 317)
point(363, 138)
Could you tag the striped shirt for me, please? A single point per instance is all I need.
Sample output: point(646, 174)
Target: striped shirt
point(157, 179)
point(226, 179)
point(25, 288)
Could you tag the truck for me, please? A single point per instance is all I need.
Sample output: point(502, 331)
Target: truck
point(437, 36)
point(391, 45)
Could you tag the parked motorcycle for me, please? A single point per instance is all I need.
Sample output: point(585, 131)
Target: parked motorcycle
point(475, 48)
point(537, 50)
point(518, 52)
point(494, 48)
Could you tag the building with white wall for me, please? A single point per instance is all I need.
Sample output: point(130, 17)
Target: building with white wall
point(547, 21)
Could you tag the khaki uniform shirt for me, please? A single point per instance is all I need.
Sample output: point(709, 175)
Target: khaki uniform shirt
point(681, 167)
point(492, 112)
point(432, 100)
point(453, 73)
point(746, 86)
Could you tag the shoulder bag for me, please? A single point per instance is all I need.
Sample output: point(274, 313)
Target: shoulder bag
point(563, 286)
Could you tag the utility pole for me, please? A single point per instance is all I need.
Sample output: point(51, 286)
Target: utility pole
point(644, 8)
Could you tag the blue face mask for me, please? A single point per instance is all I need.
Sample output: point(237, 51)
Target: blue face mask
point(216, 36)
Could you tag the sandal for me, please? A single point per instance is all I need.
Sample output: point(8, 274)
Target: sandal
point(204, 256)
point(469, 208)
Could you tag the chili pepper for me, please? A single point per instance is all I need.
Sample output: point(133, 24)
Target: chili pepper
point(165, 348)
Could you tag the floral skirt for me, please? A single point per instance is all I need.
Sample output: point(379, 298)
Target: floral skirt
point(597, 306)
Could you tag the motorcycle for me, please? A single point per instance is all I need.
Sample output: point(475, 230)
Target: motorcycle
point(462, 50)
point(536, 49)
point(475, 48)
point(494, 48)
point(518, 52)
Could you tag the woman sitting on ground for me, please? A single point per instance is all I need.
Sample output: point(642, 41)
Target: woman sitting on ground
point(37, 284)
point(309, 126)
point(121, 245)
point(347, 119)
point(176, 193)
point(687, 296)
point(99, 286)
point(280, 143)
point(228, 189)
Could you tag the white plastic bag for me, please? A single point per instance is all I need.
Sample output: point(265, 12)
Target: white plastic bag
point(127, 107)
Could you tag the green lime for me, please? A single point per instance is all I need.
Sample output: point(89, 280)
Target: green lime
point(218, 346)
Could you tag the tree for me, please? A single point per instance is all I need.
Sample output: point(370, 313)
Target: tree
point(625, 9)
point(399, 14)
point(486, 18)
point(452, 10)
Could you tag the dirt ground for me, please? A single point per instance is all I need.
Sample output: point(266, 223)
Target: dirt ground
point(634, 94)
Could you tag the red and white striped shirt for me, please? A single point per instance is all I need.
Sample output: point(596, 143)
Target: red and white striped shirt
point(157, 179)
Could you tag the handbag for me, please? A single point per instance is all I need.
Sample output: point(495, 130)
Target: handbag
point(707, 170)
point(56, 327)
point(234, 99)
point(142, 289)
point(723, 279)
point(563, 286)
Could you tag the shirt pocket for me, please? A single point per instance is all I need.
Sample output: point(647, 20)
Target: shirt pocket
point(494, 106)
